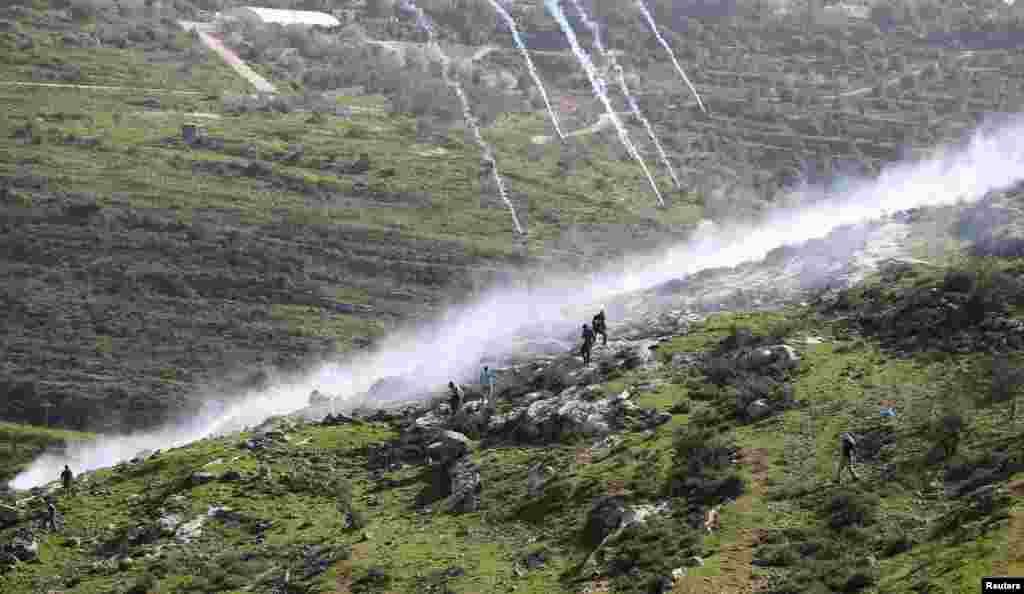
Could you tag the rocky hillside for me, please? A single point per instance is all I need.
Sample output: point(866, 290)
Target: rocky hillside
point(598, 478)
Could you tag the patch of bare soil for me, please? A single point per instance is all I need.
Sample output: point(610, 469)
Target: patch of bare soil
point(1014, 562)
point(735, 575)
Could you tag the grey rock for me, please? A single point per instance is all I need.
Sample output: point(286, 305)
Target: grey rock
point(758, 409)
point(536, 477)
point(201, 478)
point(450, 447)
point(466, 487)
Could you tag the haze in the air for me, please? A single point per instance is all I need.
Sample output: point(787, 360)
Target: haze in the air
point(452, 346)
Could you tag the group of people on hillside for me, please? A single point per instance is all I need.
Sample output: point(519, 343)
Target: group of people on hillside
point(457, 395)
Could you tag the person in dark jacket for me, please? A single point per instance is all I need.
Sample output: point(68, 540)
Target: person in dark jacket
point(847, 453)
point(456, 397)
point(600, 328)
point(65, 478)
point(588, 343)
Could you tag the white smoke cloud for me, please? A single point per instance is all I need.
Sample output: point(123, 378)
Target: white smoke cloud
point(452, 346)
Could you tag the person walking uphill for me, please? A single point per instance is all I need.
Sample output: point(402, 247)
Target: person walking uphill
point(847, 451)
point(588, 343)
point(65, 478)
point(600, 328)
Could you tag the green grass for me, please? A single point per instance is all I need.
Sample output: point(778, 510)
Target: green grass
point(839, 380)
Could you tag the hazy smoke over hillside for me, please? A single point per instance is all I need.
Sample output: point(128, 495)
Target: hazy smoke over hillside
point(451, 347)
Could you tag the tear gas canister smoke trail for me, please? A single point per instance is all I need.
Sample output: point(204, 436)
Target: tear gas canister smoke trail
point(467, 111)
point(601, 90)
point(620, 77)
point(671, 54)
point(529, 64)
point(451, 347)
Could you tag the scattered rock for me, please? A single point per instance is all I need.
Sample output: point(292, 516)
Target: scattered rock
point(758, 409)
point(9, 516)
point(23, 546)
point(168, 523)
point(231, 476)
point(201, 478)
point(190, 531)
point(538, 476)
point(451, 446)
point(466, 486)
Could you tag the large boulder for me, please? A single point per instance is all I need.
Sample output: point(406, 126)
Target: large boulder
point(604, 518)
point(450, 447)
point(23, 546)
point(466, 486)
point(573, 412)
point(9, 516)
point(758, 409)
point(536, 477)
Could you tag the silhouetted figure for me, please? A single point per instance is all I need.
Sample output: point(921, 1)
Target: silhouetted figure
point(457, 396)
point(600, 328)
point(847, 451)
point(588, 343)
point(65, 478)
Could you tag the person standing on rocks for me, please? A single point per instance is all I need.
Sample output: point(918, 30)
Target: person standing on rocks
point(487, 381)
point(600, 328)
point(457, 396)
point(588, 343)
point(847, 451)
point(65, 478)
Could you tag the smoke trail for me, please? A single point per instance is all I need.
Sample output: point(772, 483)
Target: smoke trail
point(600, 88)
point(467, 112)
point(671, 54)
point(620, 76)
point(529, 64)
point(451, 347)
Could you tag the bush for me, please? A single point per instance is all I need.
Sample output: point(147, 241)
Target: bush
point(946, 432)
point(681, 407)
point(776, 556)
point(851, 509)
point(142, 585)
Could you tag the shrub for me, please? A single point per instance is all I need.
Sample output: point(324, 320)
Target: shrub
point(681, 407)
point(852, 508)
point(946, 432)
point(776, 556)
point(142, 585)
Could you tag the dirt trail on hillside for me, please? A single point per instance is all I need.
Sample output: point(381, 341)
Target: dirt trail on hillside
point(735, 558)
point(1014, 562)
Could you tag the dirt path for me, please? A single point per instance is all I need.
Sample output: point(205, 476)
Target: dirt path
point(99, 88)
point(735, 576)
point(1014, 562)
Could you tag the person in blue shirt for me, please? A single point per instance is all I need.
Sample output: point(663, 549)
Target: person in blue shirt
point(487, 381)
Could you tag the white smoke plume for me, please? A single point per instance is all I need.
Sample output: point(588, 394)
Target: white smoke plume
point(452, 346)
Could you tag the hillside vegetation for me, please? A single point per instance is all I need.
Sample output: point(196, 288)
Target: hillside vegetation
point(143, 267)
point(356, 504)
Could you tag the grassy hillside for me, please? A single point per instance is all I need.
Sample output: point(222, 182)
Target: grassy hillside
point(267, 229)
point(906, 525)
